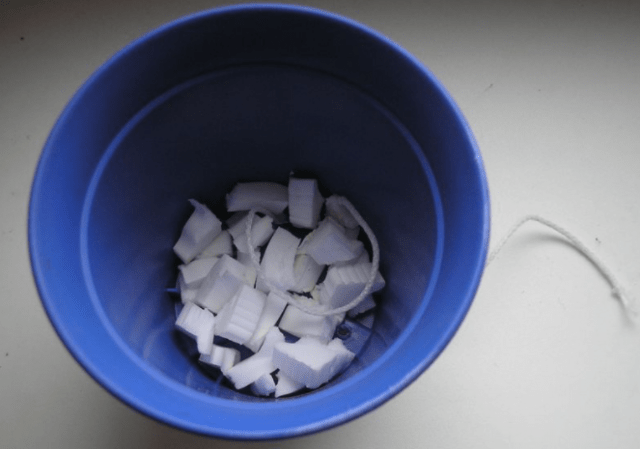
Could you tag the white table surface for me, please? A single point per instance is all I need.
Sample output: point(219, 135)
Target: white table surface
point(545, 357)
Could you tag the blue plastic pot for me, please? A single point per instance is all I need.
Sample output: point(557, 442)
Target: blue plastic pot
point(251, 93)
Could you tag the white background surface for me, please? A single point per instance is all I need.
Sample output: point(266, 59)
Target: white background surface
point(545, 357)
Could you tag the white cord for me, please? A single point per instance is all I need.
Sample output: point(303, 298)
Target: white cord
point(616, 287)
point(321, 310)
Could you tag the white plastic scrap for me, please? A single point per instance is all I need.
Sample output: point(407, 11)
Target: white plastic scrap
point(286, 386)
point(302, 324)
point(329, 244)
point(199, 231)
point(337, 210)
point(273, 308)
point(306, 272)
point(345, 282)
point(268, 196)
point(305, 202)
point(250, 369)
point(310, 362)
point(199, 324)
point(193, 273)
point(263, 385)
point(261, 232)
point(367, 320)
point(248, 299)
point(278, 260)
point(366, 305)
point(222, 282)
point(186, 294)
point(220, 245)
point(221, 357)
point(191, 276)
point(238, 318)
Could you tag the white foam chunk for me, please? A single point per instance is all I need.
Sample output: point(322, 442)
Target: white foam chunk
point(269, 196)
point(235, 218)
point(303, 324)
point(186, 294)
point(193, 273)
point(198, 324)
point(329, 244)
point(344, 283)
point(250, 369)
point(220, 245)
point(197, 233)
point(264, 385)
point(261, 232)
point(367, 304)
point(286, 385)
point(261, 285)
point(238, 319)
point(306, 272)
point(362, 258)
point(339, 212)
point(245, 259)
point(352, 233)
point(305, 202)
point(273, 308)
point(366, 320)
point(221, 357)
point(279, 257)
point(311, 362)
point(222, 283)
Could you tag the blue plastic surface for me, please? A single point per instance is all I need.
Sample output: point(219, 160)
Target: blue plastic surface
point(251, 93)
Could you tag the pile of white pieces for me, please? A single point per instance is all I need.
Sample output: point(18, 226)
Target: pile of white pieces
point(250, 300)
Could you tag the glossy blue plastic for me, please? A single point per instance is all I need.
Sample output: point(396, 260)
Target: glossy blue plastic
point(251, 93)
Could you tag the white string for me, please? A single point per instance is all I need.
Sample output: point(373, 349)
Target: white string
point(320, 310)
point(607, 274)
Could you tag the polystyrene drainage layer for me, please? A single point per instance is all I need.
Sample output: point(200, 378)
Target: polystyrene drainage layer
point(249, 123)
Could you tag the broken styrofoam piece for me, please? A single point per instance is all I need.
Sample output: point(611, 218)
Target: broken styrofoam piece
point(217, 291)
point(278, 260)
point(286, 385)
point(193, 273)
point(250, 369)
point(261, 283)
point(306, 272)
point(329, 244)
point(220, 245)
point(222, 282)
point(305, 202)
point(238, 319)
point(303, 324)
point(261, 231)
point(344, 283)
point(367, 304)
point(366, 320)
point(311, 362)
point(352, 233)
point(263, 385)
point(362, 258)
point(221, 357)
point(246, 260)
point(291, 275)
point(273, 337)
point(273, 308)
point(186, 294)
point(197, 233)
point(198, 324)
point(336, 210)
point(235, 218)
point(269, 196)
